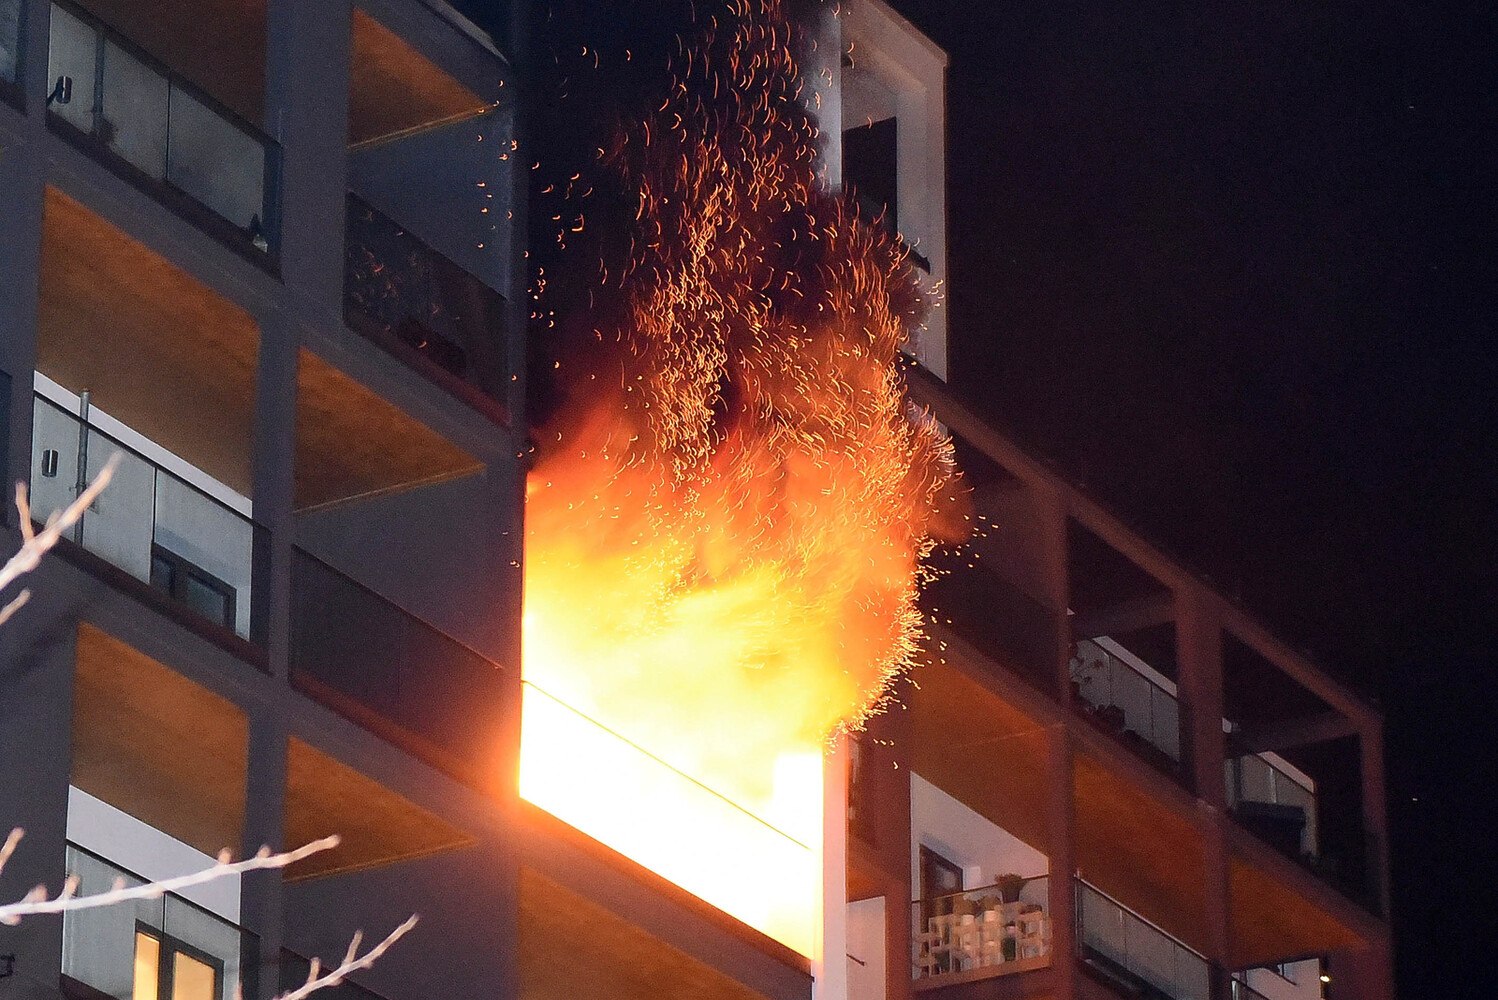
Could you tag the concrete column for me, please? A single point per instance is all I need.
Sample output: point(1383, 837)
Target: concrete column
point(1199, 658)
point(21, 199)
point(1061, 820)
point(1054, 577)
point(306, 111)
point(275, 484)
point(1375, 811)
point(830, 965)
point(264, 824)
point(37, 653)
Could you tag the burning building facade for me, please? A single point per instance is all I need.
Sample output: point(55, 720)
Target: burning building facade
point(710, 676)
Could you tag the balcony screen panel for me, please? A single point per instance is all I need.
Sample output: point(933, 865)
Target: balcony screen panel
point(118, 527)
point(10, 38)
point(134, 121)
point(98, 945)
point(55, 447)
point(215, 162)
point(209, 535)
point(72, 51)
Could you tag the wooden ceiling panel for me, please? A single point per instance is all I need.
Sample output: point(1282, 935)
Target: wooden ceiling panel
point(152, 743)
point(394, 88)
point(156, 348)
point(376, 826)
point(571, 947)
point(351, 443)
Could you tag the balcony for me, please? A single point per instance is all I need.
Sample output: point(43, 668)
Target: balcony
point(166, 947)
point(178, 536)
point(423, 308)
point(1278, 806)
point(1127, 698)
point(994, 930)
point(1133, 955)
point(162, 133)
point(395, 674)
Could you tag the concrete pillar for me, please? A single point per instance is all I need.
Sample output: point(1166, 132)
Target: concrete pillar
point(21, 200)
point(306, 111)
point(1375, 812)
point(1061, 818)
point(37, 653)
point(1199, 658)
point(830, 965)
point(275, 485)
point(264, 824)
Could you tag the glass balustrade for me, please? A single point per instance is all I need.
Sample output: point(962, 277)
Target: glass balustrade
point(173, 137)
point(1141, 958)
point(166, 946)
point(161, 521)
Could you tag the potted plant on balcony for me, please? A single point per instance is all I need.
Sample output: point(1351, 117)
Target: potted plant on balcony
point(1009, 885)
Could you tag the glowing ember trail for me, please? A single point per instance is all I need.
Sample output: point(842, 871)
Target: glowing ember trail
point(727, 517)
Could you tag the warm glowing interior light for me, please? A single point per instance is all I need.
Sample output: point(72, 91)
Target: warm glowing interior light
point(147, 967)
point(620, 795)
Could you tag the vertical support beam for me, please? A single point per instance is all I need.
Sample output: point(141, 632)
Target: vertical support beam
point(1061, 822)
point(830, 965)
point(1199, 655)
point(306, 110)
point(261, 893)
point(1054, 577)
point(22, 195)
point(275, 484)
point(1375, 811)
point(37, 652)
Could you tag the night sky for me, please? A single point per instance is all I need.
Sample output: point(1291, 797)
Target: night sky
point(1230, 267)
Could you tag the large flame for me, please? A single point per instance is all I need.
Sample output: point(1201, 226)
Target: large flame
point(727, 517)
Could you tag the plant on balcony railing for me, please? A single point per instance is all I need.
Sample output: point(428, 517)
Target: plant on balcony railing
point(1004, 927)
point(184, 145)
point(1126, 702)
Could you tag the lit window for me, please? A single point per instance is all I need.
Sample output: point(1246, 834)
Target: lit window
point(167, 968)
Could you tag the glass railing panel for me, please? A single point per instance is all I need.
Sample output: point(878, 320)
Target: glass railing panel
point(399, 290)
point(10, 40)
point(1277, 805)
point(133, 116)
point(393, 672)
point(1126, 701)
point(161, 126)
point(743, 862)
point(72, 60)
point(1129, 949)
point(217, 163)
point(1003, 928)
point(150, 522)
point(131, 949)
point(1240, 990)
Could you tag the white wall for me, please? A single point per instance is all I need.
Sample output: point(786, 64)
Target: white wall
point(957, 833)
point(866, 953)
point(899, 71)
point(1306, 983)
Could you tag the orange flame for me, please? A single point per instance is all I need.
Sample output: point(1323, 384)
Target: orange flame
point(726, 522)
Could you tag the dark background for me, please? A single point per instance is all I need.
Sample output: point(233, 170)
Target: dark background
point(1230, 267)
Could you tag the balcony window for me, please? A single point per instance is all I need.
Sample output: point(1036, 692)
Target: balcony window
point(156, 949)
point(173, 138)
point(161, 521)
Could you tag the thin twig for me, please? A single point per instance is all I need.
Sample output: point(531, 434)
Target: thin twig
point(35, 545)
point(351, 962)
point(36, 901)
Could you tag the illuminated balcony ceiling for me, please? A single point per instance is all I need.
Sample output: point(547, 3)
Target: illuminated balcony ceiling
point(156, 348)
point(605, 955)
point(154, 744)
point(220, 45)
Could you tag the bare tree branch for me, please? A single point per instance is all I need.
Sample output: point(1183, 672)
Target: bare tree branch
point(352, 962)
point(34, 545)
point(36, 901)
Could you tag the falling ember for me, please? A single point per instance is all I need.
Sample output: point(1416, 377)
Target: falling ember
point(726, 521)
